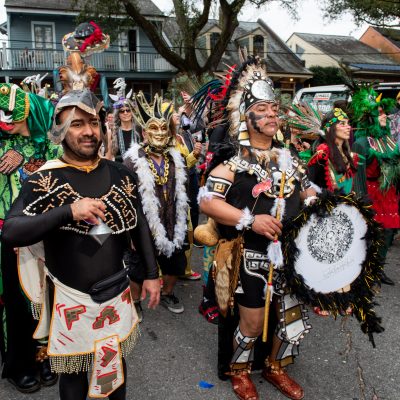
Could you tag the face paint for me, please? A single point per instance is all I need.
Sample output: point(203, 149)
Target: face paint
point(253, 120)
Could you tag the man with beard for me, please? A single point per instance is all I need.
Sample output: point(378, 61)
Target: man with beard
point(86, 213)
point(244, 192)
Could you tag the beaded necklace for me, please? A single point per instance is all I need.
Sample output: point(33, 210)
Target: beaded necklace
point(160, 180)
point(121, 142)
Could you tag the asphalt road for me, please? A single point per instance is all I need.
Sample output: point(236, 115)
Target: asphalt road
point(336, 362)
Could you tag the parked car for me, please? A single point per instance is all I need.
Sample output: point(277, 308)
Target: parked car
point(322, 97)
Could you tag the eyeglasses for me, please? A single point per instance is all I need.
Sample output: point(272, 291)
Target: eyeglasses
point(125, 110)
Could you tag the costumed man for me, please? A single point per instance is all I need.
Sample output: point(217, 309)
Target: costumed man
point(93, 317)
point(245, 188)
point(72, 222)
point(161, 175)
point(373, 141)
point(25, 119)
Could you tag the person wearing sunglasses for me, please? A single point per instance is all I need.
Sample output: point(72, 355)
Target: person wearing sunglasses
point(124, 128)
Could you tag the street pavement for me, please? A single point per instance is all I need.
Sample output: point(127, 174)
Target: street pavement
point(336, 361)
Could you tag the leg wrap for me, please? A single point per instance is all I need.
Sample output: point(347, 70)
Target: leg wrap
point(244, 351)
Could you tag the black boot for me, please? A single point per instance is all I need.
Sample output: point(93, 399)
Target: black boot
point(386, 280)
point(47, 378)
point(25, 383)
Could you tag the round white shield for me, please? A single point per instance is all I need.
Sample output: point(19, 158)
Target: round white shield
point(332, 249)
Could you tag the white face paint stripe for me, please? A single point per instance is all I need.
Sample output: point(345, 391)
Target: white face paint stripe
point(5, 118)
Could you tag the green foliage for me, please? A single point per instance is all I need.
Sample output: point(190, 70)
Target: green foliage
point(373, 12)
point(326, 76)
point(191, 16)
point(185, 83)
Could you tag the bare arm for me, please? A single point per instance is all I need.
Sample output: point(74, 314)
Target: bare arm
point(226, 214)
point(307, 193)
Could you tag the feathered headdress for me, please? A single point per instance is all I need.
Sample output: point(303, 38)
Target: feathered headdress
point(240, 88)
point(86, 39)
point(79, 78)
point(306, 119)
point(33, 84)
point(120, 98)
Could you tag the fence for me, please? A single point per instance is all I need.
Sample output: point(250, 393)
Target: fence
point(48, 59)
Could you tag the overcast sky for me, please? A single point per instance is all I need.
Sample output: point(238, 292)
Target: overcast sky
point(310, 19)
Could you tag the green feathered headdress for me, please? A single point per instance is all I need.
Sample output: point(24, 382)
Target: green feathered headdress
point(15, 100)
point(366, 102)
point(37, 111)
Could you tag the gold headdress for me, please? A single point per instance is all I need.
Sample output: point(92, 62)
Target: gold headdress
point(155, 122)
point(144, 112)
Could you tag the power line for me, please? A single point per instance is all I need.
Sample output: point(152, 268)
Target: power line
point(181, 48)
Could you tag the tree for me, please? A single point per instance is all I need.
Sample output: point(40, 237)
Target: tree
point(326, 76)
point(191, 17)
point(382, 13)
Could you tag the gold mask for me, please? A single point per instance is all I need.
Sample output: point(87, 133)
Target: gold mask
point(157, 134)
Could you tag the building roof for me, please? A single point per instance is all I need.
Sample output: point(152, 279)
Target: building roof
point(280, 59)
point(393, 35)
point(279, 56)
point(147, 6)
point(345, 49)
point(376, 67)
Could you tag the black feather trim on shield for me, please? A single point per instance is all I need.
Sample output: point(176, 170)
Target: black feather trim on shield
point(360, 297)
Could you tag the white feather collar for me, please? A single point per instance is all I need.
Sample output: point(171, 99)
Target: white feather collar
point(151, 204)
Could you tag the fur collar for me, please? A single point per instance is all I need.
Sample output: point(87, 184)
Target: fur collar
point(151, 204)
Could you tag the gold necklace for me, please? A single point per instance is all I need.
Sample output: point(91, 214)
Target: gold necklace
point(160, 180)
point(344, 158)
point(84, 168)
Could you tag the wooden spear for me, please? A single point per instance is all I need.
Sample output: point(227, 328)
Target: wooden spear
point(271, 265)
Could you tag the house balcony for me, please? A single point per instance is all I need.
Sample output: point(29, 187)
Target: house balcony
point(108, 61)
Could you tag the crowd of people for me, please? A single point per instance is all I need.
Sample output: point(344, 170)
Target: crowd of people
point(100, 208)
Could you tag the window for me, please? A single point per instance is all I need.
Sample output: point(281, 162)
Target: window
point(258, 45)
point(214, 37)
point(299, 50)
point(43, 35)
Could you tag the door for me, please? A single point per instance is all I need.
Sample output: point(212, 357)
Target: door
point(132, 47)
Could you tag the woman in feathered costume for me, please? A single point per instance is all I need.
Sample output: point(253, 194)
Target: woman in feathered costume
point(334, 166)
point(373, 141)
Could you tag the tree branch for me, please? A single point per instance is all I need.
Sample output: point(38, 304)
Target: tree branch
point(156, 39)
point(201, 21)
point(228, 23)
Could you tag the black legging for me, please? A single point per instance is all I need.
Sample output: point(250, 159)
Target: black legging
point(76, 386)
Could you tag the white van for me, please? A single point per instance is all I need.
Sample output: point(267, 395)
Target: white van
point(323, 97)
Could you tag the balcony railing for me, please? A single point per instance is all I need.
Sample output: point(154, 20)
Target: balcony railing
point(48, 59)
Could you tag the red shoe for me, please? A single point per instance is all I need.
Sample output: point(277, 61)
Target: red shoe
point(243, 386)
point(283, 382)
point(209, 311)
point(194, 276)
point(320, 312)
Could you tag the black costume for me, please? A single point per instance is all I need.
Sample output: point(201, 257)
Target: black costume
point(42, 212)
point(254, 266)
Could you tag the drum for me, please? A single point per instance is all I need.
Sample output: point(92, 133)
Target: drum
point(332, 258)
